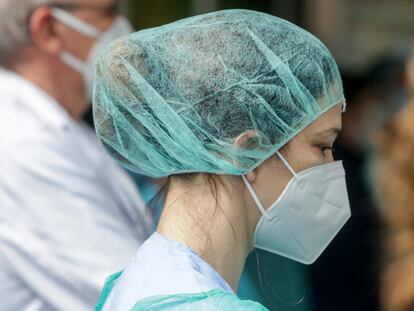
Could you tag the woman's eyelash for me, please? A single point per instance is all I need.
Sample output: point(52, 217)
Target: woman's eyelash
point(326, 147)
point(330, 148)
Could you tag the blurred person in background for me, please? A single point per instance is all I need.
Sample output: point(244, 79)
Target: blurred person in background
point(69, 215)
point(352, 262)
point(395, 173)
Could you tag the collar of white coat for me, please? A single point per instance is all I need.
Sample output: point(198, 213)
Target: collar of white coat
point(32, 97)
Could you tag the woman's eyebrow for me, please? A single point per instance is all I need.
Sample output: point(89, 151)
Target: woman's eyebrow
point(329, 132)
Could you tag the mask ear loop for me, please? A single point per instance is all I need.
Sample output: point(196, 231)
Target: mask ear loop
point(253, 193)
point(282, 158)
point(255, 197)
point(75, 23)
point(73, 62)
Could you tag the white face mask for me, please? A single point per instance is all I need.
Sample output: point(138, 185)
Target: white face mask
point(308, 214)
point(120, 27)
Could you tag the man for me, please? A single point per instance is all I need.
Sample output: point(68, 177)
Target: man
point(69, 216)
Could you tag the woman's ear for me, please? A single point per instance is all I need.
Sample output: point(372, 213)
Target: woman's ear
point(251, 176)
point(243, 141)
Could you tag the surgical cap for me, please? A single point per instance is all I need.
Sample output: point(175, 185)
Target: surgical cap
point(174, 99)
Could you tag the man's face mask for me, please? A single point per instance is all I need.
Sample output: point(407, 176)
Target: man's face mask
point(120, 27)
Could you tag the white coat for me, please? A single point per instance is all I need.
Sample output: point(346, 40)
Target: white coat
point(69, 216)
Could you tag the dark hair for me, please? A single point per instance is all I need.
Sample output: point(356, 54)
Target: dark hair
point(214, 181)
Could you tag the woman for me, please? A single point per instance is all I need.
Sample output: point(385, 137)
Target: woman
point(239, 110)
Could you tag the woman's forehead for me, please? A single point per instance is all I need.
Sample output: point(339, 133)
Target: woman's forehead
point(330, 123)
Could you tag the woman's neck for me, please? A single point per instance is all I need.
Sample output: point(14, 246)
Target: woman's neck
point(214, 226)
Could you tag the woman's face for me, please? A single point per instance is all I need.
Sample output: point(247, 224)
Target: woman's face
point(312, 147)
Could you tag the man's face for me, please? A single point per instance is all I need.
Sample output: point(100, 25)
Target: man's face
point(99, 13)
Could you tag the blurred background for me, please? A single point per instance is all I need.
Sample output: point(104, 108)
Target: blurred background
point(357, 32)
point(372, 41)
point(370, 264)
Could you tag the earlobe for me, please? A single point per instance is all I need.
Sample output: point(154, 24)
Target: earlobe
point(244, 140)
point(251, 176)
point(42, 31)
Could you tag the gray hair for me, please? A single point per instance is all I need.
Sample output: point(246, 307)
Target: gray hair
point(14, 18)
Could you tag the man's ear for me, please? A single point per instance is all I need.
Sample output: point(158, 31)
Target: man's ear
point(42, 31)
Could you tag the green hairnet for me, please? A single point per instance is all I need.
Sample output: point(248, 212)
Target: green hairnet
point(174, 99)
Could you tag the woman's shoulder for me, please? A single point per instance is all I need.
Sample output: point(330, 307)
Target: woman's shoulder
point(212, 300)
